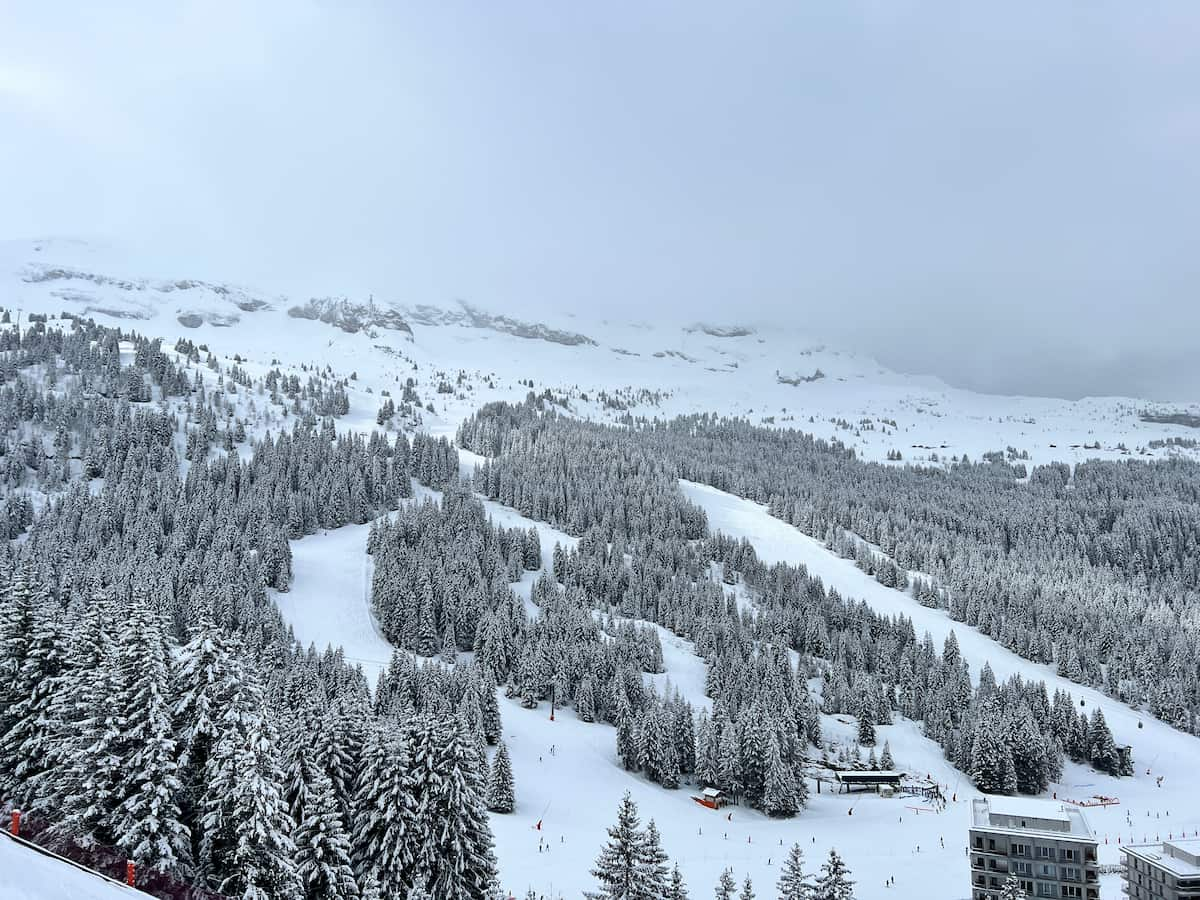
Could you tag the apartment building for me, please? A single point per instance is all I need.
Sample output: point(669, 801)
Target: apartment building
point(1047, 845)
point(1166, 871)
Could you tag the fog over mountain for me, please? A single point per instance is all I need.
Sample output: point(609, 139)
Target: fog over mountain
point(1006, 197)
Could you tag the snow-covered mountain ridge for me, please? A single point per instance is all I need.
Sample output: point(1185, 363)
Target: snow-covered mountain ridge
point(460, 357)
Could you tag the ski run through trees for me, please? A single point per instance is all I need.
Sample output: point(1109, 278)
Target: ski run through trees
point(155, 702)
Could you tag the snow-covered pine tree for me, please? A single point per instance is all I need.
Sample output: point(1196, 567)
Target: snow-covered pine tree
point(500, 782)
point(747, 892)
point(654, 878)
point(794, 883)
point(627, 743)
point(885, 759)
point(677, 889)
point(454, 855)
point(834, 882)
point(992, 768)
point(726, 886)
point(780, 797)
point(322, 846)
point(149, 824)
point(246, 846)
point(207, 679)
point(618, 868)
point(18, 611)
point(1012, 890)
point(33, 737)
point(1102, 751)
point(866, 730)
point(385, 814)
point(369, 888)
point(730, 777)
point(489, 707)
point(91, 792)
point(585, 701)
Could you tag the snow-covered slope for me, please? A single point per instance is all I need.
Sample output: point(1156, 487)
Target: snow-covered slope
point(1162, 797)
point(29, 875)
point(460, 357)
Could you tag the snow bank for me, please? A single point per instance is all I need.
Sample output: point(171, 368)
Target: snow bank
point(26, 874)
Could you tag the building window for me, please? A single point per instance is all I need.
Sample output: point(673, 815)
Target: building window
point(1019, 850)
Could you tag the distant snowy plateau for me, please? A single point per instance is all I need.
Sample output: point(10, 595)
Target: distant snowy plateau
point(462, 356)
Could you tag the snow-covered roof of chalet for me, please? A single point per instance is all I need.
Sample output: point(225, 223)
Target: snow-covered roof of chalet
point(712, 792)
point(1029, 814)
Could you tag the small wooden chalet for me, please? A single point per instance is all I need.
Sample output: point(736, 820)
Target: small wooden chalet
point(711, 797)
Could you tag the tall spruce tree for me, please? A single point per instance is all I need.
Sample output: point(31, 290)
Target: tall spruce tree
point(500, 782)
point(454, 856)
point(246, 845)
point(149, 824)
point(618, 868)
point(384, 837)
point(323, 847)
point(794, 883)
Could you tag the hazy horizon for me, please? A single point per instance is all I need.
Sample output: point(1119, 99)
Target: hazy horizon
point(1005, 198)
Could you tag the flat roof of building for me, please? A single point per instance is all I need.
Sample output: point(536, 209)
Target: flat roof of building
point(1028, 808)
point(1158, 855)
point(1032, 809)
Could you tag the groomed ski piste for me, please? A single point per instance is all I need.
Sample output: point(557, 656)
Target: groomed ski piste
point(567, 776)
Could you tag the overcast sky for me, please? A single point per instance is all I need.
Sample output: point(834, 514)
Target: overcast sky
point(1005, 194)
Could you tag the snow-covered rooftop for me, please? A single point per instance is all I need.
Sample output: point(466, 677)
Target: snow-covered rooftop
point(1029, 814)
point(1180, 857)
point(1027, 808)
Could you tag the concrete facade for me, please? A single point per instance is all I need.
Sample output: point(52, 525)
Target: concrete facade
point(1167, 871)
point(1047, 845)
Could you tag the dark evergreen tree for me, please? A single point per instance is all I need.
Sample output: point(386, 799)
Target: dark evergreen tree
point(500, 783)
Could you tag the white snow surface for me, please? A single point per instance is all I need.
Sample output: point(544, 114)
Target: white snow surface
point(26, 874)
